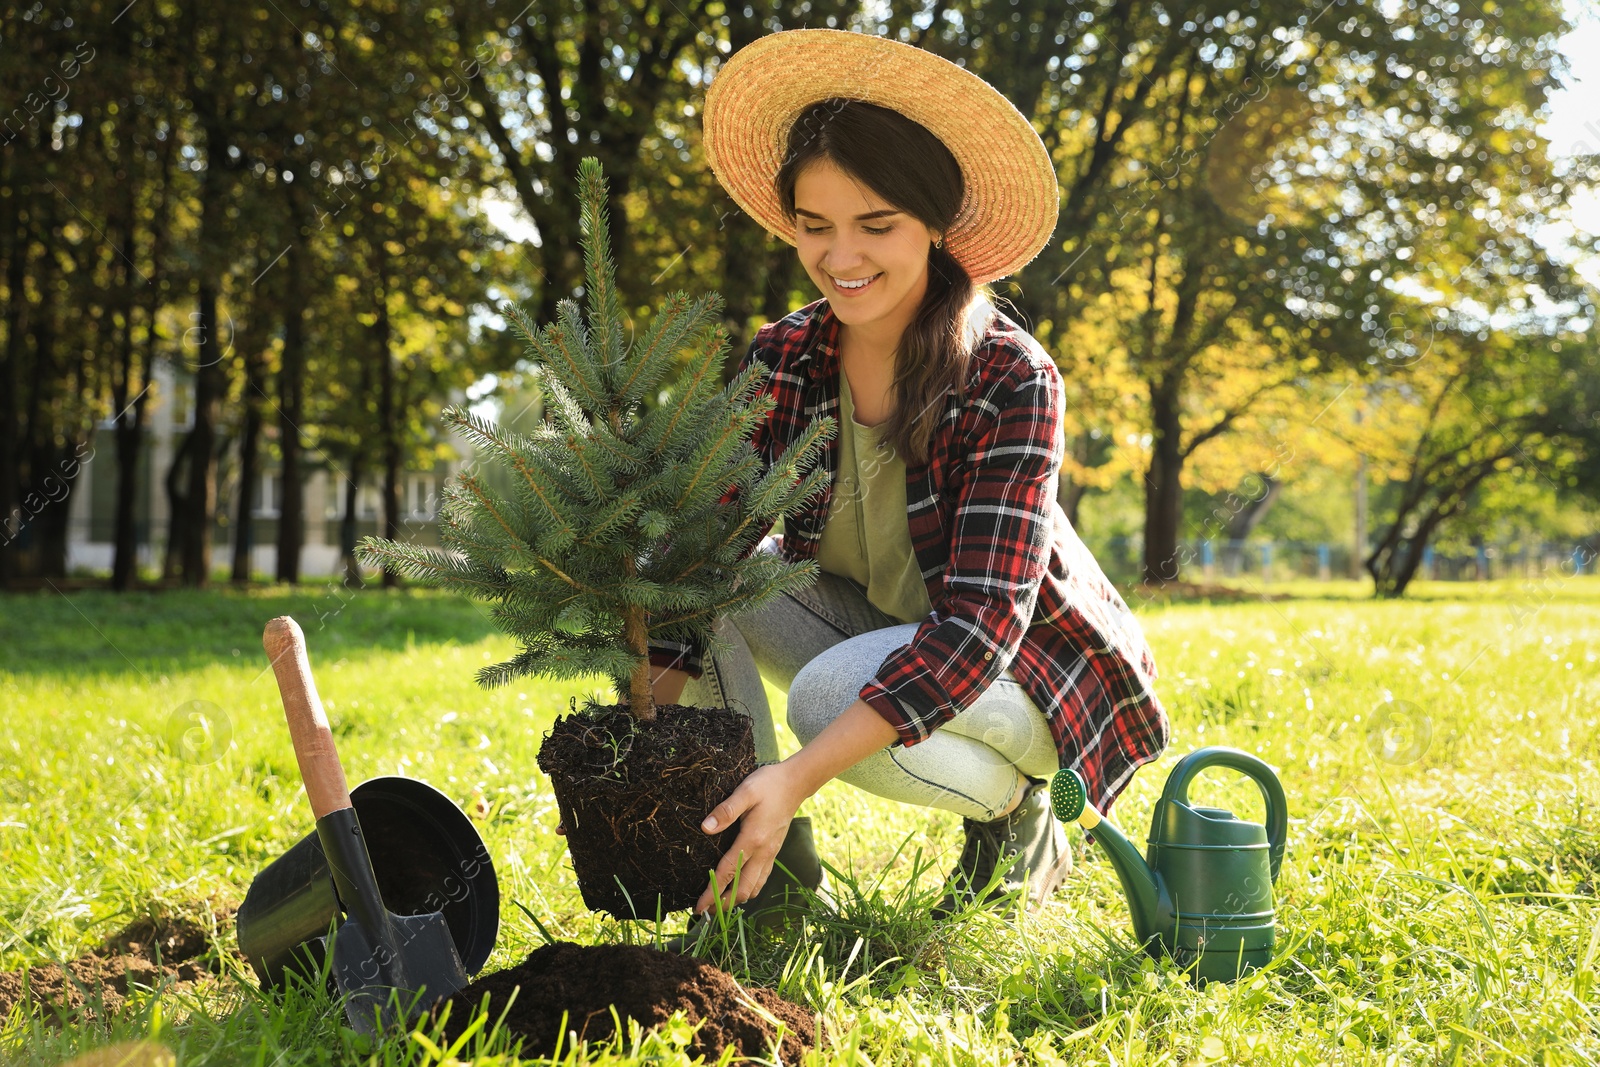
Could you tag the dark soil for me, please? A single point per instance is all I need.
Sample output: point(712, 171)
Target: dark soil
point(632, 796)
point(1181, 591)
point(146, 952)
point(644, 984)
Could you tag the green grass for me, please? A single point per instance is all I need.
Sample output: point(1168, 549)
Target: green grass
point(1437, 904)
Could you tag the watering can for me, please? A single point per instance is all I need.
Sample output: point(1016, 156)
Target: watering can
point(1203, 892)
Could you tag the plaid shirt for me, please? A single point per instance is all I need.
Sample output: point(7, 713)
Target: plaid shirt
point(1011, 583)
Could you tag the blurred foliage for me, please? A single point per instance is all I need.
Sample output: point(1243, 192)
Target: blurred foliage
point(1271, 218)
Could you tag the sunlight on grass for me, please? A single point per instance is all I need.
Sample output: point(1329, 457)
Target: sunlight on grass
point(1437, 900)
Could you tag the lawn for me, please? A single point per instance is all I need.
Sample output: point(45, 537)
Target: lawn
point(1437, 903)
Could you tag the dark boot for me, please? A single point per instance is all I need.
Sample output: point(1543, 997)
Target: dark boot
point(781, 900)
point(1031, 834)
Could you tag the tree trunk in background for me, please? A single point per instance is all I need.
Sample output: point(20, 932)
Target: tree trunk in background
point(255, 387)
point(781, 263)
point(42, 454)
point(742, 257)
point(355, 471)
point(15, 236)
point(743, 239)
point(388, 414)
point(130, 387)
point(62, 465)
point(191, 524)
point(1250, 516)
point(1163, 492)
point(59, 453)
point(1070, 494)
point(125, 525)
point(128, 432)
point(1398, 554)
point(291, 412)
point(126, 563)
point(347, 522)
point(177, 478)
point(1245, 520)
point(200, 493)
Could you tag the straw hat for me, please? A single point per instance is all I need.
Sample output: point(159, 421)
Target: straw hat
point(1011, 198)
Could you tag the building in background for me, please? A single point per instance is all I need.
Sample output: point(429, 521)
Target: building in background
point(167, 418)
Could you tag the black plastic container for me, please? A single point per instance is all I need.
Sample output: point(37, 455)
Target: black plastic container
point(427, 856)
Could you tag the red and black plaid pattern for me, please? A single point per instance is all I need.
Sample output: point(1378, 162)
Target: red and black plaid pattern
point(1011, 583)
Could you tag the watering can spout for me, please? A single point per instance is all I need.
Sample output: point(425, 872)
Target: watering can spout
point(1147, 896)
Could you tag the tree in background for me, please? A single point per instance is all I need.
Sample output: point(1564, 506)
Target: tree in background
point(1254, 202)
point(1265, 214)
point(1504, 408)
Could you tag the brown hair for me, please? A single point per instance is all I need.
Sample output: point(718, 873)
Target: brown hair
point(901, 161)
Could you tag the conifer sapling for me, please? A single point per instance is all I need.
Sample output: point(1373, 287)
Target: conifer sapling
point(626, 521)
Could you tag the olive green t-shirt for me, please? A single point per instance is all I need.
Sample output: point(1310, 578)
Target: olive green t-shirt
point(866, 537)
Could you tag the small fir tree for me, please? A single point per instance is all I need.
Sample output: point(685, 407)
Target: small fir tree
point(626, 522)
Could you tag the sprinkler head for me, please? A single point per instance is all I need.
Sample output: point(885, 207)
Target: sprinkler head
point(1068, 795)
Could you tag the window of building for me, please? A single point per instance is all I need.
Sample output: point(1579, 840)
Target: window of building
point(269, 497)
point(421, 496)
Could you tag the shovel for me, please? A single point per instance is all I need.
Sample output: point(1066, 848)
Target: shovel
point(376, 954)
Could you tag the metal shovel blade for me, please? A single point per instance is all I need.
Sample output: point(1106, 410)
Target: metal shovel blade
point(388, 984)
point(375, 951)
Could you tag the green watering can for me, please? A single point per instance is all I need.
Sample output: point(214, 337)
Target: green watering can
point(1204, 893)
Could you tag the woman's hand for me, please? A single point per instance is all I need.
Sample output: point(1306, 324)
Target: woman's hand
point(767, 801)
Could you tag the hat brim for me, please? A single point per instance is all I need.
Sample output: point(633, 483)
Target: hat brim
point(1012, 199)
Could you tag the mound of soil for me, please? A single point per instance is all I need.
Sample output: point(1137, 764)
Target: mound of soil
point(644, 984)
point(1179, 591)
point(144, 952)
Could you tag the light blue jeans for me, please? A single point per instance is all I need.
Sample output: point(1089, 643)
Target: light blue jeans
point(826, 642)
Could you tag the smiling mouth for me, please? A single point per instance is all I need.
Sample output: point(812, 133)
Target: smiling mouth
point(855, 285)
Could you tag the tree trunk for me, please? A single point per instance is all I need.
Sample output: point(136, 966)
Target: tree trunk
point(62, 465)
point(1163, 490)
point(1396, 560)
point(1069, 493)
point(130, 431)
point(200, 493)
point(194, 522)
point(177, 478)
point(255, 387)
point(780, 277)
point(291, 413)
point(641, 700)
point(352, 489)
point(388, 413)
point(743, 239)
point(347, 522)
point(1245, 520)
point(129, 436)
point(15, 236)
point(40, 431)
point(741, 284)
point(125, 525)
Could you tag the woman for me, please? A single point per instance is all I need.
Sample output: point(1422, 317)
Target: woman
point(961, 644)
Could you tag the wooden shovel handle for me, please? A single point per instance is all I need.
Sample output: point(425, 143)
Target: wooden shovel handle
point(308, 723)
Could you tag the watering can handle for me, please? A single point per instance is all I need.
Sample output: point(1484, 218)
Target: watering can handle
point(308, 723)
point(1177, 789)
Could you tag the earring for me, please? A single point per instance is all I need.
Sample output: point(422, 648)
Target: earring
point(939, 241)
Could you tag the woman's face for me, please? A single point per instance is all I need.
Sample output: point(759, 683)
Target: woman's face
point(867, 257)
